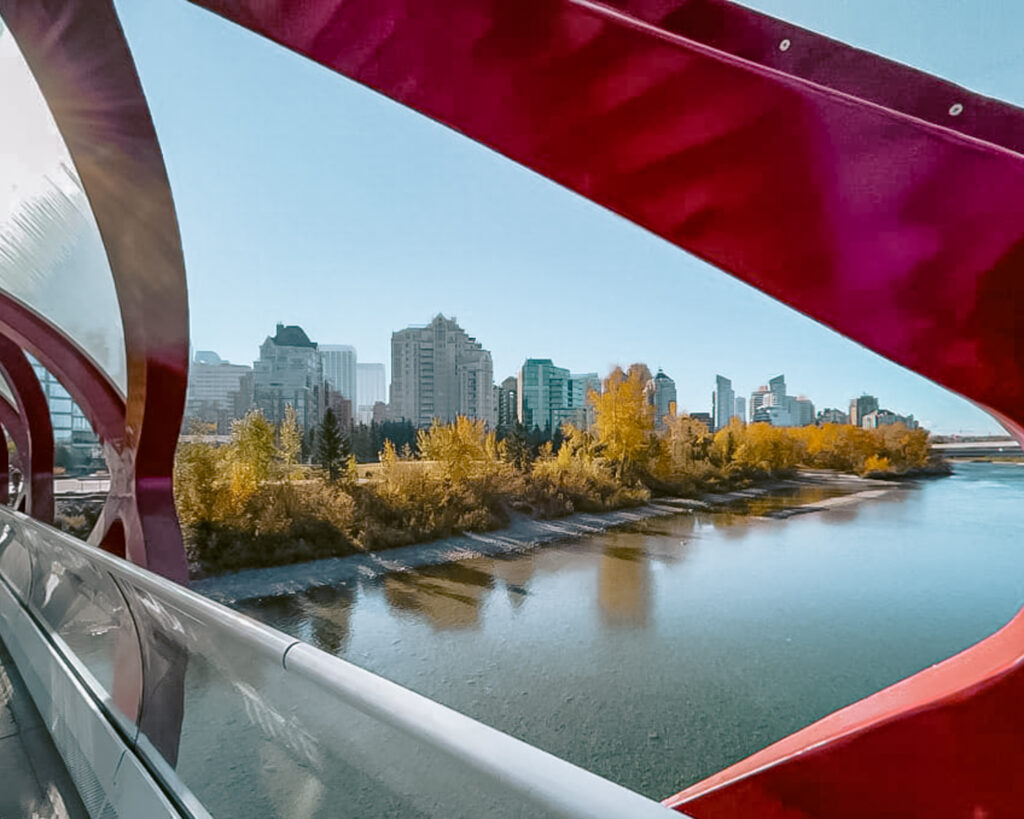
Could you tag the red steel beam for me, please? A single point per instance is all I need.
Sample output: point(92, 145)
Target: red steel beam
point(34, 414)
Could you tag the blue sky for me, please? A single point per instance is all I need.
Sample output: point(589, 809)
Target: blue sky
point(306, 199)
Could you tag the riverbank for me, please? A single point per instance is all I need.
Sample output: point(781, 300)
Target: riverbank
point(523, 534)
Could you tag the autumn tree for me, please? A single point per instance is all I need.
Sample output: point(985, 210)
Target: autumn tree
point(684, 442)
point(726, 441)
point(250, 454)
point(625, 421)
point(460, 449)
point(198, 472)
point(765, 448)
point(290, 436)
point(907, 448)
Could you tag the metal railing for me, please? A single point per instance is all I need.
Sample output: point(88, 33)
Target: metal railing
point(228, 717)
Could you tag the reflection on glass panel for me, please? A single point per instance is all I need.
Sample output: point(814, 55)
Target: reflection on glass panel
point(66, 416)
point(7, 392)
point(51, 254)
point(82, 604)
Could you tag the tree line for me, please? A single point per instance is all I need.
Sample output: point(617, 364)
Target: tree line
point(253, 502)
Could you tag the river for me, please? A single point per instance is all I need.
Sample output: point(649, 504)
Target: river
point(659, 654)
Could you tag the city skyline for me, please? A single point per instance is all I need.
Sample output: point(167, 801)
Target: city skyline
point(769, 401)
point(533, 269)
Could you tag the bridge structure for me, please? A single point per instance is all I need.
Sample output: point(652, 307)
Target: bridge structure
point(881, 201)
point(990, 448)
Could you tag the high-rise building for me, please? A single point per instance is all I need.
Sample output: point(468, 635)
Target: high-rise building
point(218, 391)
point(802, 411)
point(770, 405)
point(777, 416)
point(339, 364)
point(548, 396)
point(761, 397)
point(506, 402)
point(661, 394)
point(884, 418)
point(371, 387)
point(581, 408)
point(703, 417)
point(832, 416)
point(541, 388)
point(859, 407)
point(723, 402)
point(741, 408)
point(440, 372)
point(340, 406)
point(70, 426)
point(289, 372)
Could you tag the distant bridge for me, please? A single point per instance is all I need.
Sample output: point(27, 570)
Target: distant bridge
point(979, 449)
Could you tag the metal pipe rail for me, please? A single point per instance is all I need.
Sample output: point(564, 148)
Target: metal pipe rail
point(216, 714)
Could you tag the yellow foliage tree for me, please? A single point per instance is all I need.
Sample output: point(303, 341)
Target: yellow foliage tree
point(290, 436)
point(877, 463)
point(727, 440)
point(684, 441)
point(769, 449)
point(198, 471)
point(625, 421)
point(250, 455)
point(460, 449)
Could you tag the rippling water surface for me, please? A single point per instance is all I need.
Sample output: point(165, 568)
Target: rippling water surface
point(656, 656)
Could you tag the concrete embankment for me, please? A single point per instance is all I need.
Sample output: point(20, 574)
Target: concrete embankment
point(521, 535)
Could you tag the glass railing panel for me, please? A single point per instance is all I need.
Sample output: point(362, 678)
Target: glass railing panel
point(220, 674)
point(273, 727)
point(52, 256)
point(81, 604)
point(7, 392)
point(15, 561)
point(257, 739)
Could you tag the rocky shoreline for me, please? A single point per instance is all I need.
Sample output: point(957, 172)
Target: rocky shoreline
point(522, 535)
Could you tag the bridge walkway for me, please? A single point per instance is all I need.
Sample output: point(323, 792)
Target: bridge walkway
point(34, 780)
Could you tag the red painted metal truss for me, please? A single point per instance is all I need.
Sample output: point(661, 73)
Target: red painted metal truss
point(881, 201)
point(81, 62)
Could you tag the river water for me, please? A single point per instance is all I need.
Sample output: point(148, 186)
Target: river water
point(657, 655)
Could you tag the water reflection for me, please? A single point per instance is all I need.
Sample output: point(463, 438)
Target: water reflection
point(329, 609)
point(624, 585)
point(515, 573)
point(614, 569)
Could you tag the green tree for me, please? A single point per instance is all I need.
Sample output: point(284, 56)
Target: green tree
point(517, 447)
point(331, 445)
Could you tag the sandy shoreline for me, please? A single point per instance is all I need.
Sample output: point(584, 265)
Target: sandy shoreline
point(520, 536)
